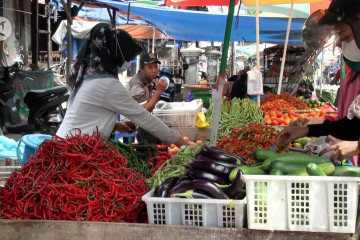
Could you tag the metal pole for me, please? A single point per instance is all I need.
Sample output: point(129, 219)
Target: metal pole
point(34, 35)
point(69, 41)
point(49, 50)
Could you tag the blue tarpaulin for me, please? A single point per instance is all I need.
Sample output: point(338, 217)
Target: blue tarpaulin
point(190, 25)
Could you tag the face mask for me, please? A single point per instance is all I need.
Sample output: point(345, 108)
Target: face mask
point(351, 51)
point(124, 67)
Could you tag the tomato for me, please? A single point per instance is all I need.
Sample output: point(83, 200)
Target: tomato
point(172, 146)
point(199, 142)
point(186, 139)
point(161, 147)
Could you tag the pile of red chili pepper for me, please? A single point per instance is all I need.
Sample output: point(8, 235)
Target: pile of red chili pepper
point(272, 103)
point(157, 162)
point(80, 178)
point(245, 140)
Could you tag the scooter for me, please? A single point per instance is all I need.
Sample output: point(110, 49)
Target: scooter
point(169, 93)
point(46, 110)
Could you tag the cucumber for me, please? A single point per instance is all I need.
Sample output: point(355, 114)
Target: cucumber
point(313, 170)
point(276, 171)
point(293, 158)
point(327, 168)
point(286, 168)
point(300, 172)
point(261, 154)
point(347, 171)
point(246, 170)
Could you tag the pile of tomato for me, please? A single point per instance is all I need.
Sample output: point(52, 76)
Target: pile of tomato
point(285, 118)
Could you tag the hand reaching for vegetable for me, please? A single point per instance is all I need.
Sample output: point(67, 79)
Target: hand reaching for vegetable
point(303, 122)
point(342, 149)
point(289, 134)
point(127, 127)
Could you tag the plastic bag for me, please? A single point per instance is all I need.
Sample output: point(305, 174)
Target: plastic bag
point(254, 82)
point(201, 122)
point(8, 147)
point(317, 145)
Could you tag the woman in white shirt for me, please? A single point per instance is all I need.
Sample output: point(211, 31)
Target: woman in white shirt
point(97, 96)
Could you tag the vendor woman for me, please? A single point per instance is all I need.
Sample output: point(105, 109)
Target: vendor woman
point(97, 96)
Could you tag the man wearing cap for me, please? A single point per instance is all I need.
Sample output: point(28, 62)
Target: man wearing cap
point(141, 84)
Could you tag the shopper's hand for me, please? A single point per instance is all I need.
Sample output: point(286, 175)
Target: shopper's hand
point(127, 127)
point(303, 122)
point(161, 85)
point(289, 134)
point(300, 122)
point(342, 149)
point(181, 142)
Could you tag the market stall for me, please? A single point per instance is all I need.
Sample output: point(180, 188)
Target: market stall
point(44, 230)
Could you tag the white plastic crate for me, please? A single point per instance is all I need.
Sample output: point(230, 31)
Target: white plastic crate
point(195, 212)
point(297, 203)
point(181, 114)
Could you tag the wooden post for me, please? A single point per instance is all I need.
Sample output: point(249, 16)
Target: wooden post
point(34, 35)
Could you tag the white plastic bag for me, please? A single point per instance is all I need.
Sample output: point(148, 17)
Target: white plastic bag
point(254, 82)
point(317, 145)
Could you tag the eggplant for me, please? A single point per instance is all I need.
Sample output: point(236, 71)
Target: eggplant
point(182, 185)
point(221, 154)
point(198, 174)
point(193, 194)
point(203, 158)
point(234, 190)
point(164, 188)
point(213, 167)
point(209, 187)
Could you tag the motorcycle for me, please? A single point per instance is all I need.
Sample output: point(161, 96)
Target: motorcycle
point(46, 110)
point(169, 93)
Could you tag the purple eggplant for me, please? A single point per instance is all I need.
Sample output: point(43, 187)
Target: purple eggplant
point(221, 155)
point(164, 188)
point(234, 190)
point(198, 174)
point(193, 194)
point(209, 187)
point(203, 158)
point(214, 167)
point(182, 185)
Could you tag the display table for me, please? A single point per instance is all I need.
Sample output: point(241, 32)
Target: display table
point(195, 133)
point(65, 230)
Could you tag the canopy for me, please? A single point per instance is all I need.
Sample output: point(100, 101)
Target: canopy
point(198, 2)
point(189, 25)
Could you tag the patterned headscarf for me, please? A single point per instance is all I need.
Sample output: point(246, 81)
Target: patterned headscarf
point(104, 51)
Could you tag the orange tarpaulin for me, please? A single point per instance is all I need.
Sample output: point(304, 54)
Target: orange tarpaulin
point(192, 3)
point(319, 5)
point(273, 2)
point(143, 32)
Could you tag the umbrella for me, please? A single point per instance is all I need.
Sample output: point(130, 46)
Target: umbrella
point(188, 3)
point(302, 10)
point(272, 2)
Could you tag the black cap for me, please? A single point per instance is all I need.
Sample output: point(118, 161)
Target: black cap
point(146, 58)
point(344, 11)
point(341, 11)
